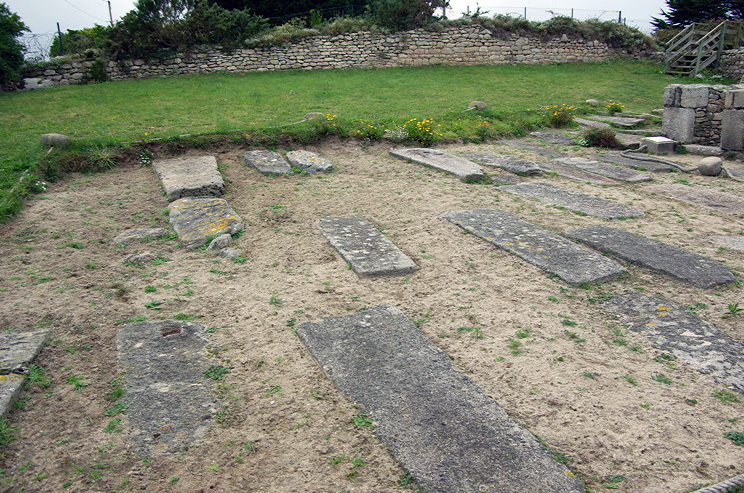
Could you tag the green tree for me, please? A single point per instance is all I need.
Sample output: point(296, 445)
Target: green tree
point(11, 50)
point(280, 12)
point(680, 13)
point(400, 15)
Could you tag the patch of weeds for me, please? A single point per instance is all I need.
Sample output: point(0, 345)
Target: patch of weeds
point(211, 330)
point(240, 259)
point(364, 421)
point(73, 244)
point(613, 482)
point(159, 260)
point(735, 436)
point(600, 297)
point(117, 389)
point(524, 333)
point(173, 480)
point(116, 409)
point(726, 396)
point(151, 289)
point(588, 374)
point(568, 322)
point(574, 337)
point(514, 346)
point(275, 300)
point(554, 299)
point(113, 426)
point(697, 306)
point(734, 310)
point(421, 320)
point(274, 389)
point(661, 378)
point(476, 332)
point(37, 377)
point(76, 381)
point(406, 480)
point(138, 318)
point(91, 265)
point(186, 318)
point(6, 432)
point(631, 380)
point(216, 372)
point(154, 305)
point(667, 359)
point(218, 272)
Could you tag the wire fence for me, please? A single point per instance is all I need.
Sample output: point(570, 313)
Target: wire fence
point(37, 45)
point(543, 14)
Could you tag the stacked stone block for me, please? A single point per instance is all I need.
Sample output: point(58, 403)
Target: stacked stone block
point(703, 114)
point(453, 45)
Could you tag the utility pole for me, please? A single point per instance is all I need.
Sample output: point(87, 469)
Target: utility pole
point(111, 17)
point(61, 42)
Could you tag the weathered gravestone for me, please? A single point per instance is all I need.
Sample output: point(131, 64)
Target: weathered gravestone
point(17, 352)
point(576, 173)
point(267, 162)
point(573, 200)
point(536, 148)
point(309, 162)
point(618, 121)
point(440, 426)
point(366, 249)
point(504, 161)
point(639, 164)
point(680, 332)
point(465, 170)
point(548, 251)
point(555, 138)
point(604, 169)
point(197, 220)
point(189, 176)
point(170, 405)
point(655, 255)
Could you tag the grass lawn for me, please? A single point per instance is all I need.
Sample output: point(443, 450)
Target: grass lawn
point(266, 102)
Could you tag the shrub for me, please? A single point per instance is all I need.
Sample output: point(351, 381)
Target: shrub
point(11, 50)
point(559, 115)
point(424, 131)
point(599, 137)
point(402, 15)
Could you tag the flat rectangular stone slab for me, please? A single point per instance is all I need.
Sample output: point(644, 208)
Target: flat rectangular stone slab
point(465, 170)
point(365, 248)
point(618, 121)
point(655, 255)
point(573, 200)
point(577, 174)
point(721, 201)
point(548, 251)
point(604, 169)
point(639, 164)
point(676, 330)
point(197, 219)
point(536, 148)
point(191, 176)
point(267, 162)
point(17, 352)
point(504, 161)
point(555, 138)
point(309, 162)
point(440, 426)
point(169, 397)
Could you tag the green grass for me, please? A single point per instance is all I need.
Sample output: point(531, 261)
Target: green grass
point(257, 103)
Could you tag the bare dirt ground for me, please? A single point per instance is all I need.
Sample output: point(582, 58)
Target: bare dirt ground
point(552, 357)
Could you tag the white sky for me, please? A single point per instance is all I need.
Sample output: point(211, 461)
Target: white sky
point(41, 16)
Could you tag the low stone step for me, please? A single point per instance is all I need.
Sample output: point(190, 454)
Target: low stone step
point(366, 249)
point(548, 251)
point(197, 220)
point(168, 394)
point(440, 426)
point(577, 174)
point(555, 138)
point(536, 148)
point(608, 170)
point(573, 200)
point(678, 331)
point(504, 161)
point(616, 158)
point(309, 162)
point(465, 170)
point(726, 203)
point(267, 162)
point(190, 176)
point(591, 123)
point(655, 255)
point(17, 351)
point(617, 121)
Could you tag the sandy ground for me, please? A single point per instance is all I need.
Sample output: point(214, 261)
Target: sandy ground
point(576, 378)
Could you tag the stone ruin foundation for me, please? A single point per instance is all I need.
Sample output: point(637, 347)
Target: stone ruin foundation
point(702, 114)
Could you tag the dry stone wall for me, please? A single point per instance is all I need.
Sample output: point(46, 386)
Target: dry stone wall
point(453, 45)
point(732, 64)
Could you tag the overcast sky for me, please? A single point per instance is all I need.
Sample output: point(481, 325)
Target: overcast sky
point(41, 16)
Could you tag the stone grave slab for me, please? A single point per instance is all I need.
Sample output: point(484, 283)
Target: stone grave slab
point(555, 138)
point(655, 255)
point(617, 121)
point(309, 161)
point(368, 251)
point(628, 162)
point(573, 200)
point(141, 235)
point(17, 352)
point(548, 251)
point(440, 426)
point(198, 219)
point(629, 141)
point(676, 330)
point(504, 161)
point(726, 203)
point(728, 242)
point(504, 179)
point(464, 169)
point(591, 123)
point(267, 162)
point(169, 397)
point(536, 148)
point(577, 174)
point(604, 169)
point(190, 176)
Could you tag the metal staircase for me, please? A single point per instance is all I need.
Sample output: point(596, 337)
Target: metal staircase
point(695, 48)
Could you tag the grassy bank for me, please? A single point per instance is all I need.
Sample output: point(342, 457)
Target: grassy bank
point(360, 102)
